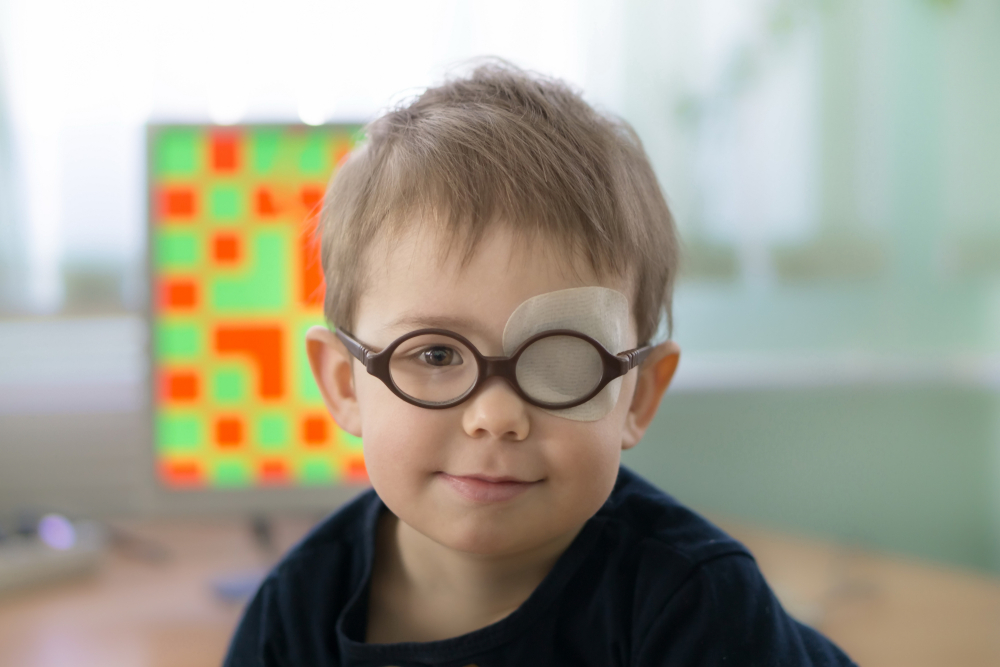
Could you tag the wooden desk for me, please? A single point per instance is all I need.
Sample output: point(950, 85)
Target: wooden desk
point(884, 611)
point(135, 613)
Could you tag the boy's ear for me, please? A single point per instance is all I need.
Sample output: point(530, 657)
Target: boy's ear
point(332, 367)
point(654, 377)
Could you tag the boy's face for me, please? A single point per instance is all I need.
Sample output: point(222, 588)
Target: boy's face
point(438, 470)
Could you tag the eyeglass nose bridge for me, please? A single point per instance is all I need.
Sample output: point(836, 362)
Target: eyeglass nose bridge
point(504, 367)
point(501, 367)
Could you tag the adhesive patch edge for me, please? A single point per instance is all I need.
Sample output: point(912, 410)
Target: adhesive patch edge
point(599, 312)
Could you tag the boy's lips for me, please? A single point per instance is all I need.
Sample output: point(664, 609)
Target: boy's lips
point(486, 489)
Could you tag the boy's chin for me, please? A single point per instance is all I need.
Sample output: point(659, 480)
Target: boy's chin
point(478, 542)
point(481, 540)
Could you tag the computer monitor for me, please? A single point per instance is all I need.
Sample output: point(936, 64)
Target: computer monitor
point(236, 421)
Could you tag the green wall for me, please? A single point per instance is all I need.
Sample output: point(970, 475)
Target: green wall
point(908, 470)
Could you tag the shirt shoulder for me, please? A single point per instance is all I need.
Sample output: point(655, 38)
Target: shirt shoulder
point(697, 595)
point(726, 614)
point(655, 521)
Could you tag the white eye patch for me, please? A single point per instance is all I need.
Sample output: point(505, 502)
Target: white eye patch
point(598, 312)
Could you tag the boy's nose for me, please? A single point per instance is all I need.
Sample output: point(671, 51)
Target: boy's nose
point(495, 410)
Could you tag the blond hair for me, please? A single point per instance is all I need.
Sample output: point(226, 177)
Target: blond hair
point(504, 146)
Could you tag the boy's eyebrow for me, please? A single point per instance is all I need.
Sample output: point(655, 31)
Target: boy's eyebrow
point(451, 322)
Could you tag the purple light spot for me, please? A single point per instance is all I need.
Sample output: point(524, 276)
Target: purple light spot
point(57, 532)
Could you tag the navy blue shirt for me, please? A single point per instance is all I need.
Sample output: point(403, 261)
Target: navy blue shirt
point(646, 582)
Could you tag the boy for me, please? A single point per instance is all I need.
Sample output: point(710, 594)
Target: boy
point(498, 258)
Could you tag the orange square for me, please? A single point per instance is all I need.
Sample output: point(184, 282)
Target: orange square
point(355, 470)
point(226, 248)
point(314, 430)
point(187, 473)
point(273, 470)
point(228, 432)
point(182, 386)
point(181, 293)
point(311, 197)
point(225, 152)
point(266, 203)
point(178, 202)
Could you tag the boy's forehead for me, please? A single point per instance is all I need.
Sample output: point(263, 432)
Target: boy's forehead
point(422, 279)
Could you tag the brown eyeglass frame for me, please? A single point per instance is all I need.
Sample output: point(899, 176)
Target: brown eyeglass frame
point(377, 364)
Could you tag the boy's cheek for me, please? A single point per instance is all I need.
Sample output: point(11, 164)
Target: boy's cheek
point(398, 463)
point(380, 408)
point(397, 436)
point(585, 450)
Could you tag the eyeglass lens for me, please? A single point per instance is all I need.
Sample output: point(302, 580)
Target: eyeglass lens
point(559, 369)
point(433, 368)
point(438, 369)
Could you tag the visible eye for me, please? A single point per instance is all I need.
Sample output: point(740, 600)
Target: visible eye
point(440, 355)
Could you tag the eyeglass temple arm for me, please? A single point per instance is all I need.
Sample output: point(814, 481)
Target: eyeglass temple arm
point(632, 358)
point(354, 347)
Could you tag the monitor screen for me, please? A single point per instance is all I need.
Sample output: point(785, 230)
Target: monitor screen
point(236, 281)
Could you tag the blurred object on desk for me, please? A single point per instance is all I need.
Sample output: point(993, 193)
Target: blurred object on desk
point(56, 550)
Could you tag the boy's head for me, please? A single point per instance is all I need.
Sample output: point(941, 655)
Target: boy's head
point(481, 194)
point(503, 148)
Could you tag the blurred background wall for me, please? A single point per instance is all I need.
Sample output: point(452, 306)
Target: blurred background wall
point(834, 168)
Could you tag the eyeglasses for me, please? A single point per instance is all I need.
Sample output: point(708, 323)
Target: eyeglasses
point(437, 368)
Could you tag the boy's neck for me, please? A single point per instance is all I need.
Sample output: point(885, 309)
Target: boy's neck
point(423, 591)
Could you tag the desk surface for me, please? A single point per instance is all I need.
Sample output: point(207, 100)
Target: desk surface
point(884, 611)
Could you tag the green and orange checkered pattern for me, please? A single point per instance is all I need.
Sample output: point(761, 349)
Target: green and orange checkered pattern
point(237, 281)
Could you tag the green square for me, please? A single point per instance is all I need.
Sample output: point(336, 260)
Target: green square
point(264, 145)
point(316, 471)
point(225, 202)
point(176, 152)
point(272, 431)
point(177, 248)
point(304, 382)
point(176, 434)
point(229, 385)
point(351, 443)
point(232, 473)
point(178, 341)
point(314, 158)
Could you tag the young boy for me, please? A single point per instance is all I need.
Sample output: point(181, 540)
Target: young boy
point(498, 258)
